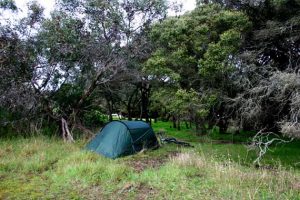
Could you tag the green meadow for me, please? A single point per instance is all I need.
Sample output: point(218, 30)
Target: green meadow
point(41, 167)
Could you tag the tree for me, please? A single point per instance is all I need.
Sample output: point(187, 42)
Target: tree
point(8, 4)
point(269, 66)
point(90, 49)
point(84, 47)
point(17, 66)
point(198, 51)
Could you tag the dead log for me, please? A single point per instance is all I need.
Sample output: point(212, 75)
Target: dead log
point(66, 134)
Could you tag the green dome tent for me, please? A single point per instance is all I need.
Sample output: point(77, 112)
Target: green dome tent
point(120, 138)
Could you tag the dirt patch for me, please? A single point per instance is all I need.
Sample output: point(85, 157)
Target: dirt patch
point(151, 162)
point(91, 192)
point(226, 142)
point(141, 165)
point(2, 177)
point(142, 191)
point(296, 186)
point(94, 192)
point(145, 192)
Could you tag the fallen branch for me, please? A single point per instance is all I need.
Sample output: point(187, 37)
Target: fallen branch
point(262, 141)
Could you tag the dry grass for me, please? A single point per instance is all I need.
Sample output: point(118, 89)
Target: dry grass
point(41, 168)
point(189, 159)
point(244, 183)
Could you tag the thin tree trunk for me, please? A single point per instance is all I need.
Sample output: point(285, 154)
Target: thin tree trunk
point(203, 129)
point(129, 112)
point(178, 124)
point(186, 125)
point(198, 132)
point(66, 134)
point(174, 121)
point(145, 94)
point(110, 105)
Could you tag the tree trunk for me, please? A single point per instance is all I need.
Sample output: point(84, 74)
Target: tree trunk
point(198, 126)
point(203, 129)
point(198, 131)
point(66, 134)
point(223, 125)
point(145, 94)
point(110, 112)
point(186, 125)
point(174, 121)
point(178, 124)
point(129, 115)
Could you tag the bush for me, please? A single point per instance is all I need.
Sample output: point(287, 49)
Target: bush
point(94, 118)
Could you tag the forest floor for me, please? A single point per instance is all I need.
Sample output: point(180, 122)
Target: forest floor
point(218, 167)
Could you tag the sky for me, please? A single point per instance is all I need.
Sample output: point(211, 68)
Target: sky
point(49, 5)
point(188, 4)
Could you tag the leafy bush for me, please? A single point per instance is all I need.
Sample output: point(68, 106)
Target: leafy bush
point(94, 118)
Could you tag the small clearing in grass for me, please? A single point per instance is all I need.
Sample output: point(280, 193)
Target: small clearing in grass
point(145, 192)
point(143, 163)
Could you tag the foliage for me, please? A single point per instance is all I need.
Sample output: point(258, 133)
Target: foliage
point(195, 55)
point(268, 78)
point(202, 41)
point(8, 4)
point(94, 118)
point(58, 71)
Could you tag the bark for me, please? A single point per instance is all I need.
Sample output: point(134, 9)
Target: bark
point(89, 90)
point(110, 117)
point(110, 108)
point(174, 121)
point(186, 125)
point(129, 113)
point(145, 94)
point(178, 124)
point(198, 132)
point(203, 129)
point(223, 125)
point(155, 116)
point(129, 104)
point(66, 134)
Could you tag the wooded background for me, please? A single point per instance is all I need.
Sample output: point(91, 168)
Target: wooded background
point(229, 63)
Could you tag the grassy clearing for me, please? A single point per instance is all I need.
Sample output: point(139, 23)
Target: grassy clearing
point(232, 147)
point(186, 134)
point(47, 168)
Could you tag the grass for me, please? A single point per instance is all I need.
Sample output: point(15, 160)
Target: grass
point(186, 134)
point(46, 168)
point(231, 146)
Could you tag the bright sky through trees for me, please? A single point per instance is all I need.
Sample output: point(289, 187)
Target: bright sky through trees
point(49, 4)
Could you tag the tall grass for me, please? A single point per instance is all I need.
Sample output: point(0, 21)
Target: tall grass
point(47, 168)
